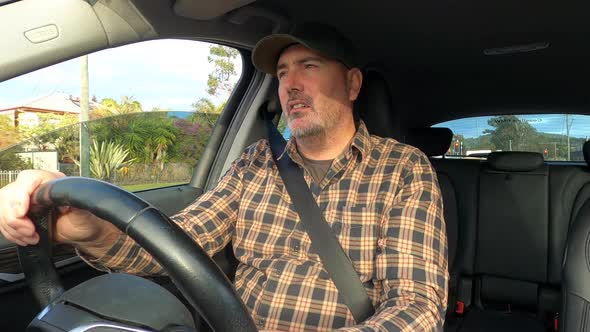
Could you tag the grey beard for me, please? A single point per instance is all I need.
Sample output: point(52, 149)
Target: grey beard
point(313, 130)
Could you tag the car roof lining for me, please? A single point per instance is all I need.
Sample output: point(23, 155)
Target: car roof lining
point(206, 10)
point(431, 53)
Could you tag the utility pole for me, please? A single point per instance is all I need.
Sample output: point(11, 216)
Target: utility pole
point(568, 125)
point(84, 117)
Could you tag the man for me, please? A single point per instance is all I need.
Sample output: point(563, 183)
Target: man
point(380, 197)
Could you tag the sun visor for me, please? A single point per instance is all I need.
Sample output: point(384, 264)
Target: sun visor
point(206, 10)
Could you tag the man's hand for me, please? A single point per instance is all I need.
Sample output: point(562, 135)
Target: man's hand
point(73, 226)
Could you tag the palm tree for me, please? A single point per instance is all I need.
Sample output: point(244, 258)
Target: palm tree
point(110, 107)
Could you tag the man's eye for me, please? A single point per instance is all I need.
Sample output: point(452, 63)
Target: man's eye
point(280, 74)
point(310, 65)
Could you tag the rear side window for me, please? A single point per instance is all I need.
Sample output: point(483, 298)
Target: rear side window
point(559, 137)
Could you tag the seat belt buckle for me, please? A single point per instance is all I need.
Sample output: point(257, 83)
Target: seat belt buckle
point(460, 307)
point(556, 322)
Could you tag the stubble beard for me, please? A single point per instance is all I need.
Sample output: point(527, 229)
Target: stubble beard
point(313, 128)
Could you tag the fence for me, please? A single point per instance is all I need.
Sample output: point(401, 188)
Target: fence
point(135, 174)
point(7, 176)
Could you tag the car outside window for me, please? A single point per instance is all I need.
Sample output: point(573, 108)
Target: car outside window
point(149, 118)
point(559, 137)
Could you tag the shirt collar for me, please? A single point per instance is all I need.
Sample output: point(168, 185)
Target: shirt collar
point(361, 142)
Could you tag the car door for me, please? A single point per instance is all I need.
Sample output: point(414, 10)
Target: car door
point(167, 153)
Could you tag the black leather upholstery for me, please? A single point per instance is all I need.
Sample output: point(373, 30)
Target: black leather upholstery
point(502, 242)
point(513, 225)
point(432, 141)
point(515, 161)
point(513, 222)
point(450, 214)
point(436, 142)
point(374, 104)
point(576, 274)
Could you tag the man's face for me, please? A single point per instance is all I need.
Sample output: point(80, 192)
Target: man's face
point(316, 93)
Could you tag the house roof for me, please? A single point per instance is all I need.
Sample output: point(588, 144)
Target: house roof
point(55, 102)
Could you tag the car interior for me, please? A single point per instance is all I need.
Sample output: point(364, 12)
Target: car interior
point(510, 216)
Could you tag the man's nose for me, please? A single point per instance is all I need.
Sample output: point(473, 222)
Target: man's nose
point(292, 81)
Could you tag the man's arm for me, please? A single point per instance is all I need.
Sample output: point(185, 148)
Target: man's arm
point(209, 221)
point(412, 268)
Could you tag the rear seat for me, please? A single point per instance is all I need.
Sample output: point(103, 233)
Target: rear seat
point(510, 273)
point(459, 198)
point(491, 267)
point(576, 293)
point(512, 214)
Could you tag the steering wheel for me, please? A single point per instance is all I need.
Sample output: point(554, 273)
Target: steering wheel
point(188, 265)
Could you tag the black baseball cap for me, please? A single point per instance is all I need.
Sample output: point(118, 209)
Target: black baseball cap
point(324, 39)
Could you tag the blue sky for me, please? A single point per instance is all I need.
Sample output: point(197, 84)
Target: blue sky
point(546, 123)
point(166, 73)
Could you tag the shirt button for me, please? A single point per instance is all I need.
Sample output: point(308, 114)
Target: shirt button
point(295, 248)
point(261, 322)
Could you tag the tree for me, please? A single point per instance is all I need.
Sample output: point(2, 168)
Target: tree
point(206, 109)
point(8, 133)
point(219, 81)
point(147, 136)
point(204, 105)
point(110, 107)
point(11, 161)
point(52, 131)
point(511, 133)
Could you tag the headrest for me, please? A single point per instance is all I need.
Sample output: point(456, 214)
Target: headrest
point(586, 150)
point(374, 104)
point(432, 141)
point(515, 161)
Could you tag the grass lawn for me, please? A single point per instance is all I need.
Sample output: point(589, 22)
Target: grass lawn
point(140, 187)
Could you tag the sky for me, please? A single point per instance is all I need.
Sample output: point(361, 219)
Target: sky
point(165, 73)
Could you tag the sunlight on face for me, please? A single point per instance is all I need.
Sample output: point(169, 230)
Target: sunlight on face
point(313, 90)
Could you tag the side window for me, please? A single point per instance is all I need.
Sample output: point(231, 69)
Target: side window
point(559, 137)
point(283, 128)
point(149, 118)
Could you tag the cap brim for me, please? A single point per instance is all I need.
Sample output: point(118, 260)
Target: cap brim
point(267, 51)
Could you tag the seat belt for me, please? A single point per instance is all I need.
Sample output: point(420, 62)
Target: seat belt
point(323, 240)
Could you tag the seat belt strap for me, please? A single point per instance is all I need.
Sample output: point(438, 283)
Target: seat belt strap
point(323, 241)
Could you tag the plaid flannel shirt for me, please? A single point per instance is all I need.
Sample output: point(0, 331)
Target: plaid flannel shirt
point(382, 200)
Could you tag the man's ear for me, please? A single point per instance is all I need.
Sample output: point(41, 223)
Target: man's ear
point(354, 78)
